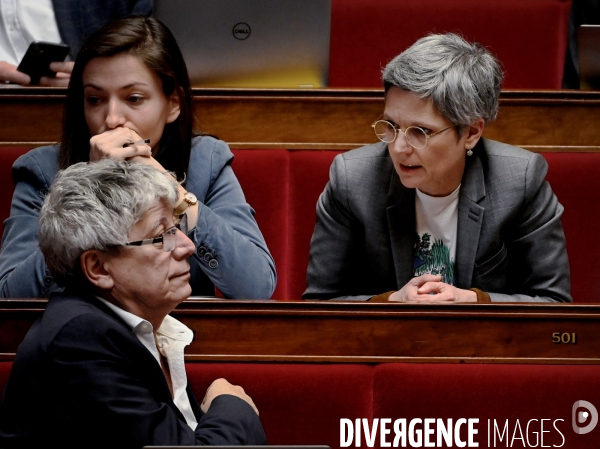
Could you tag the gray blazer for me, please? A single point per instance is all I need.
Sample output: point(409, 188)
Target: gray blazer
point(510, 244)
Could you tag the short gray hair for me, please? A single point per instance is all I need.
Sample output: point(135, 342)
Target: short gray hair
point(462, 79)
point(94, 206)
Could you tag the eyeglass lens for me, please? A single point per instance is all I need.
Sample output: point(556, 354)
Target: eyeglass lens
point(170, 235)
point(385, 132)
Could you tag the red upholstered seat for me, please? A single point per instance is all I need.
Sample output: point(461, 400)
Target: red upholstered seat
point(528, 36)
point(263, 175)
point(309, 173)
point(303, 403)
point(498, 392)
point(283, 187)
point(298, 403)
point(5, 368)
point(574, 180)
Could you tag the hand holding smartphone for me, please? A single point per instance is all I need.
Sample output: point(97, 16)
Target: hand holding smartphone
point(37, 59)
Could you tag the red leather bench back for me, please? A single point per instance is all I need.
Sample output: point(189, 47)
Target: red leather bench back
point(283, 187)
point(304, 403)
point(529, 37)
point(574, 179)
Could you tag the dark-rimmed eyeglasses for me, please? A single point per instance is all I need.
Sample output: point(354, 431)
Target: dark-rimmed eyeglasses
point(416, 137)
point(168, 239)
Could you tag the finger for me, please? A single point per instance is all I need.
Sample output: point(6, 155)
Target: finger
point(251, 402)
point(66, 66)
point(14, 76)
point(58, 81)
point(110, 144)
point(142, 150)
point(437, 298)
point(420, 280)
point(428, 287)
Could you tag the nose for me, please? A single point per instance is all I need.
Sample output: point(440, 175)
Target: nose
point(400, 145)
point(185, 247)
point(114, 115)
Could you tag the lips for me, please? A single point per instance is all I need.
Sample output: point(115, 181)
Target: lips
point(185, 273)
point(409, 168)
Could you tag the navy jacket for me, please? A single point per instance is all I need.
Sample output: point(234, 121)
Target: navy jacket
point(81, 378)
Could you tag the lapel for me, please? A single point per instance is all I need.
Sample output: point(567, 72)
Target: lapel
point(143, 358)
point(401, 223)
point(470, 219)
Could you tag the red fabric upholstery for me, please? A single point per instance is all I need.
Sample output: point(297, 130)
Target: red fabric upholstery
point(298, 403)
point(303, 403)
point(574, 180)
point(5, 368)
point(8, 156)
point(263, 175)
point(309, 172)
point(283, 187)
point(528, 36)
point(498, 392)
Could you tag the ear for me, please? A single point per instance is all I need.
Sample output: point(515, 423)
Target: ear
point(474, 133)
point(93, 267)
point(174, 106)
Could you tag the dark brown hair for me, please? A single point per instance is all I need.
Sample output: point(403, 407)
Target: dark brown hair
point(151, 41)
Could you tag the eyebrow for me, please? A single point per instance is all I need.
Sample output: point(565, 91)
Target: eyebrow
point(419, 125)
point(127, 86)
point(162, 221)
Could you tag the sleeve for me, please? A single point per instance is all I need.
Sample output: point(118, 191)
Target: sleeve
point(113, 383)
point(333, 270)
point(23, 271)
point(536, 248)
point(230, 248)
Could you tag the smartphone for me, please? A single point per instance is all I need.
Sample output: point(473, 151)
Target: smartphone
point(37, 59)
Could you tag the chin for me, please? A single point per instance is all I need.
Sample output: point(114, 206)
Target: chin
point(409, 184)
point(186, 293)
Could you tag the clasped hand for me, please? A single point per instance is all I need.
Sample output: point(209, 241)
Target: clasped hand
point(221, 386)
point(110, 144)
point(429, 288)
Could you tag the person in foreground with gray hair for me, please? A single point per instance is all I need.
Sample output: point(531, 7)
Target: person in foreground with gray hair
point(103, 367)
point(434, 212)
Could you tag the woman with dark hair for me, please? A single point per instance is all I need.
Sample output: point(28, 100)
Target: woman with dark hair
point(130, 98)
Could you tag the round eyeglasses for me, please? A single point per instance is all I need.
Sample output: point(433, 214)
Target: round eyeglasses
point(168, 239)
point(416, 137)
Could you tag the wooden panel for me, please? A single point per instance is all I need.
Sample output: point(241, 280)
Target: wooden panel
point(330, 331)
point(322, 118)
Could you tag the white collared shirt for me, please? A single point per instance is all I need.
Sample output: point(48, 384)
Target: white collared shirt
point(171, 338)
point(21, 23)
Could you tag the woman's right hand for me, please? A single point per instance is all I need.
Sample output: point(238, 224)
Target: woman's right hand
point(109, 144)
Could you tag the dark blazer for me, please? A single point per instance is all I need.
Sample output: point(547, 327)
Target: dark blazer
point(510, 243)
point(81, 378)
point(76, 19)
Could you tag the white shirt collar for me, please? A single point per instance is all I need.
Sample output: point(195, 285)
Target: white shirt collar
point(171, 338)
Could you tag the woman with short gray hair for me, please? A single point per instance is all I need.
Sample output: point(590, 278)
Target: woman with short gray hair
point(434, 212)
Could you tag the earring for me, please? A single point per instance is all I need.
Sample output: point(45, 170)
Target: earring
point(470, 152)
